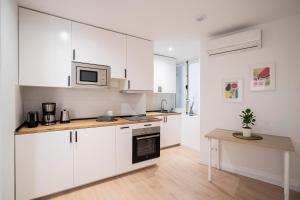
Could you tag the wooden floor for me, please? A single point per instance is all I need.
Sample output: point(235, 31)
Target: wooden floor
point(178, 176)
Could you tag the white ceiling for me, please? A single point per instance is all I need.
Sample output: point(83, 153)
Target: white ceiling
point(169, 23)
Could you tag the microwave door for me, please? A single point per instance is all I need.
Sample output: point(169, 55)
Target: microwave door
point(90, 76)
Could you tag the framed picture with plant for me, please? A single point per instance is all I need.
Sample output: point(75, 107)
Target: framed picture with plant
point(248, 121)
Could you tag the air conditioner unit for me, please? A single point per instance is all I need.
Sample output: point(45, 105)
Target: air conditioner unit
point(236, 42)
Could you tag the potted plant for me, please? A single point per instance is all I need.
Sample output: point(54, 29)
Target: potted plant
point(248, 120)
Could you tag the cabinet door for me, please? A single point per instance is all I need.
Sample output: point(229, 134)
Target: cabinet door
point(140, 67)
point(162, 132)
point(99, 46)
point(44, 49)
point(164, 74)
point(172, 130)
point(124, 148)
point(94, 154)
point(44, 164)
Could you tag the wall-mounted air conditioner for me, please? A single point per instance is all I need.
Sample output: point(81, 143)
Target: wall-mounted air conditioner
point(236, 42)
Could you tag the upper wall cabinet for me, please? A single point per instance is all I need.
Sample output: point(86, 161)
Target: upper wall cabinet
point(140, 68)
point(44, 49)
point(99, 46)
point(164, 74)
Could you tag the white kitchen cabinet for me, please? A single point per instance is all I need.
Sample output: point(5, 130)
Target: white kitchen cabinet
point(94, 154)
point(44, 164)
point(164, 74)
point(98, 46)
point(171, 129)
point(124, 148)
point(44, 49)
point(162, 133)
point(140, 67)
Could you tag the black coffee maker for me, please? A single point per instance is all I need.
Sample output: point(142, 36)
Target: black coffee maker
point(49, 113)
point(32, 119)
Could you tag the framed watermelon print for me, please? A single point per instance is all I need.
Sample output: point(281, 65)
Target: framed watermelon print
point(262, 77)
point(232, 90)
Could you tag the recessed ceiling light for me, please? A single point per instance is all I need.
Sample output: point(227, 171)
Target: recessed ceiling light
point(201, 18)
point(170, 49)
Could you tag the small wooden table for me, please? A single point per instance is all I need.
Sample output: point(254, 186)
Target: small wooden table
point(269, 141)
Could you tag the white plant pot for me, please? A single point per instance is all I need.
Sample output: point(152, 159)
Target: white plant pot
point(247, 132)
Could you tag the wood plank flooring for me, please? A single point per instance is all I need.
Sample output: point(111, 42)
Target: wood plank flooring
point(178, 176)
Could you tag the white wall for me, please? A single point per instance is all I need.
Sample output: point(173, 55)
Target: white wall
point(277, 111)
point(10, 102)
point(84, 103)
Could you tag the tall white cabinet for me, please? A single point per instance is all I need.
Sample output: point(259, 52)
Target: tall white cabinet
point(140, 72)
point(44, 164)
point(164, 74)
point(44, 49)
point(98, 46)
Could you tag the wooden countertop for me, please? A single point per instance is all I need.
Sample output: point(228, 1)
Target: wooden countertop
point(268, 141)
point(79, 124)
point(157, 114)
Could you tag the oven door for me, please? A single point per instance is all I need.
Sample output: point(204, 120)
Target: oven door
point(145, 147)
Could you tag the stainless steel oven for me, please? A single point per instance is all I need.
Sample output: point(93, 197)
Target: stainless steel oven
point(145, 143)
point(90, 75)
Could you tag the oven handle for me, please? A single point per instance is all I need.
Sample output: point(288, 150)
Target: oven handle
point(147, 137)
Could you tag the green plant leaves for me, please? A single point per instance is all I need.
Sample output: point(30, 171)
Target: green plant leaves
point(248, 118)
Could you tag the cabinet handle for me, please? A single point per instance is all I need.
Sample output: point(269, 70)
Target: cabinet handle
point(73, 54)
point(166, 119)
point(128, 84)
point(125, 73)
point(148, 125)
point(75, 136)
point(69, 81)
point(124, 127)
point(70, 136)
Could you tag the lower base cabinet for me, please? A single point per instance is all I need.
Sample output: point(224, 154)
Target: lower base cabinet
point(124, 148)
point(44, 164)
point(94, 154)
point(51, 162)
point(171, 128)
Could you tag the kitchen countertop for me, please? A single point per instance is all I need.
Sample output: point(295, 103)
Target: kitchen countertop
point(80, 124)
point(157, 114)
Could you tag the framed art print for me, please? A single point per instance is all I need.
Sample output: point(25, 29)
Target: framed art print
point(262, 77)
point(232, 90)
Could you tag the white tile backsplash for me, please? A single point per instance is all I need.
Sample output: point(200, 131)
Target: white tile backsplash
point(153, 101)
point(84, 103)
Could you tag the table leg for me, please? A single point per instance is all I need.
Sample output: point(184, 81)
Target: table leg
point(209, 160)
point(286, 174)
point(219, 155)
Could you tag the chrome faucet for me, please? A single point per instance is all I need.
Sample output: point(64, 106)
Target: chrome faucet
point(162, 108)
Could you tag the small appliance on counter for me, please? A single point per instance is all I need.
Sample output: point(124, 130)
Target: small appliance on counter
point(32, 119)
point(65, 116)
point(49, 113)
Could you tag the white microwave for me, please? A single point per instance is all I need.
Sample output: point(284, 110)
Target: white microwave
point(86, 75)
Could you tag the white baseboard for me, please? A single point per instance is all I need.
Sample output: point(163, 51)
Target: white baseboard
point(259, 175)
